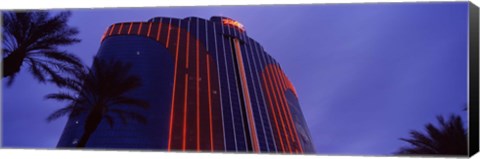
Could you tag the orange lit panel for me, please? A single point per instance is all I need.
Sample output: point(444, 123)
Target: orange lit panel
point(234, 23)
point(281, 76)
point(272, 110)
point(283, 103)
point(272, 86)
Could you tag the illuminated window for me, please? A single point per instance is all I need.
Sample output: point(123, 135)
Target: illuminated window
point(75, 141)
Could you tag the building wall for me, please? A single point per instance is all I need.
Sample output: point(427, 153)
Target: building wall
point(228, 93)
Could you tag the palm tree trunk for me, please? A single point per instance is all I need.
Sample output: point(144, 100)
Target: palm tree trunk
point(91, 124)
point(13, 62)
point(83, 141)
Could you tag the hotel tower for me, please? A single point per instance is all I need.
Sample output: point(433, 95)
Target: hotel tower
point(210, 88)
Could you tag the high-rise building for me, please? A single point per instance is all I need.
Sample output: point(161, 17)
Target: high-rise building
point(210, 88)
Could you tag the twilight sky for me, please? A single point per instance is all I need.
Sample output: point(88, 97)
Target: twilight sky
point(365, 74)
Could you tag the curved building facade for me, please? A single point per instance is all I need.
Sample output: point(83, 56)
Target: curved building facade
point(210, 88)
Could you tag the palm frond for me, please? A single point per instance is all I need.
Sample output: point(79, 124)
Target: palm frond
point(69, 83)
point(103, 89)
point(121, 115)
point(450, 138)
point(54, 75)
point(127, 115)
point(61, 96)
point(64, 57)
point(36, 72)
point(124, 100)
point(60, 112)
point(434, 133)
point(78, 109)
point(8, 43)
point(109, 120)
point(137, 117)
point(52, 27)
point(11, 79)
point(27, 33)
point(128, 84)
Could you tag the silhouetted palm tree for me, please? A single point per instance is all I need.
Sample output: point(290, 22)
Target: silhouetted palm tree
point(33, 38)
point(102, 93)
point(448, 139)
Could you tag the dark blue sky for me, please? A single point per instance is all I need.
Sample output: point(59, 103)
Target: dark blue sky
point(365, 74)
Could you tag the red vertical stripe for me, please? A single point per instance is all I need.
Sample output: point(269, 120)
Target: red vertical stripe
point(168, 35)
point(130, 27)
point(282, 102)
point(139, 28)
point(149, 29)
point(198, 94)
point(265, 83)
point(120, 30)
point(159, 30)
point(173, 91)
point(280, 98)
point(272, 87)
point(184, 144)
point(186, 91)
point(104, 35)
point(209, 103)
point(283, 80)
point(111, 30)
point(188, 43)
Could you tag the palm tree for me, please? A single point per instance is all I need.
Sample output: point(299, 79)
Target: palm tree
point(32, 39)
point(101, 92)
point(448, 139)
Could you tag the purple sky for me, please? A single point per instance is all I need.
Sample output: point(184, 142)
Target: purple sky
point(365, 74)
